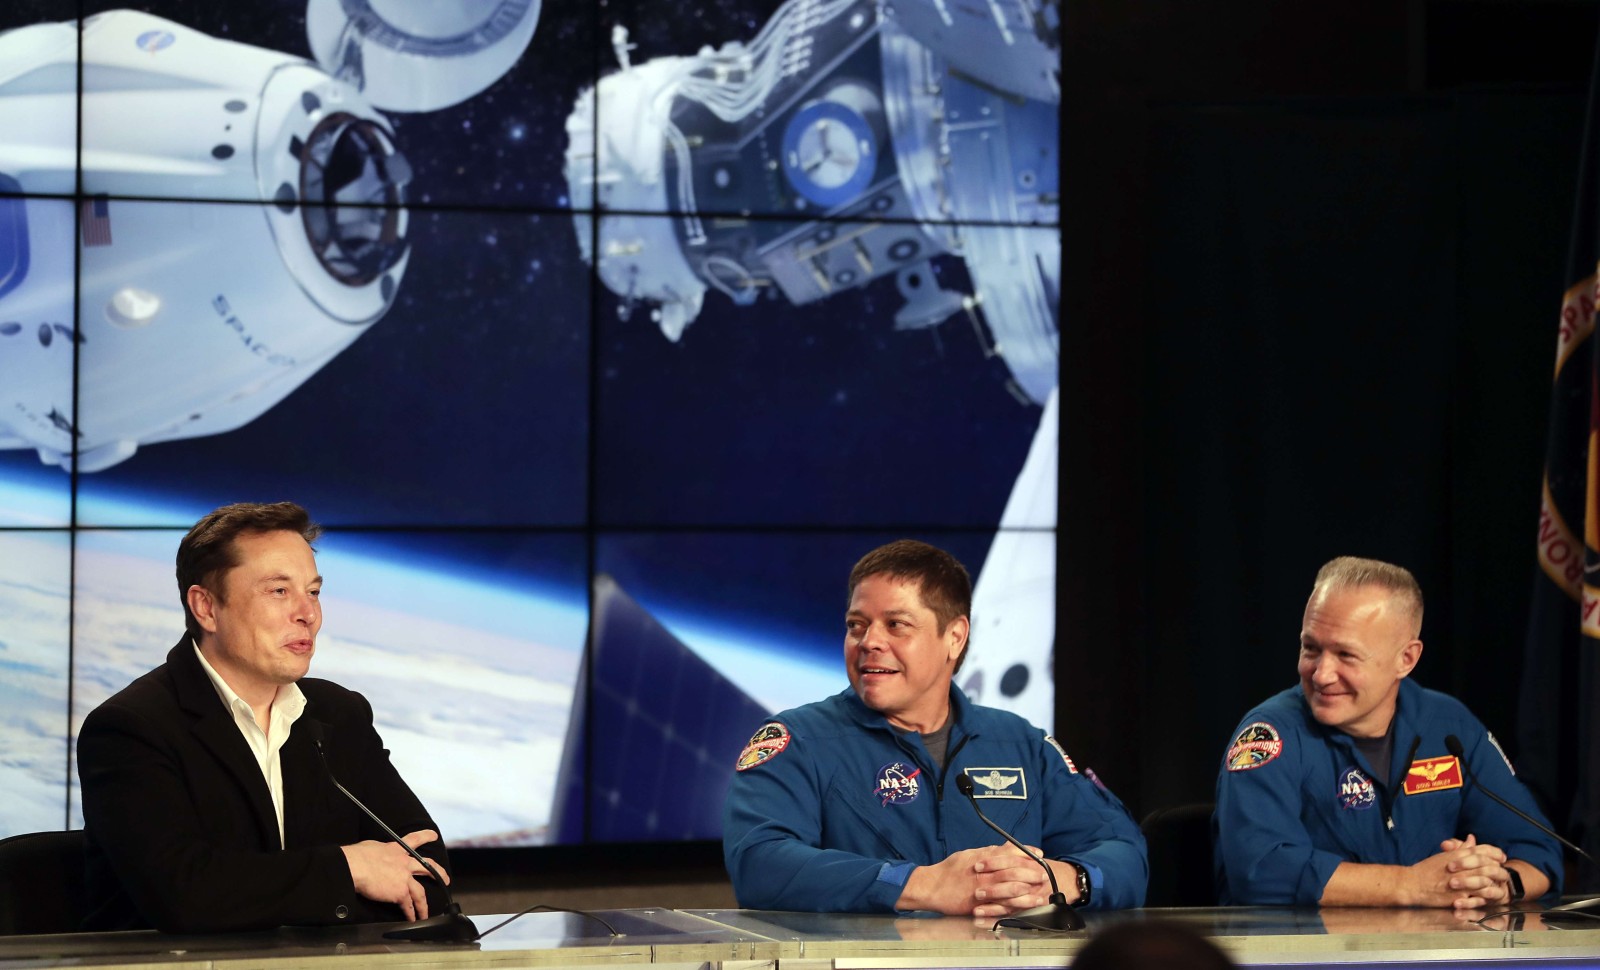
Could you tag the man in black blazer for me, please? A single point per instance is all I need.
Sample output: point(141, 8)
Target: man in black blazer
point(206, 806)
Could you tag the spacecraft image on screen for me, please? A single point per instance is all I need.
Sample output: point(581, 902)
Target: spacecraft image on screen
point(592, 335)
point(923, 134)
point(201, 323)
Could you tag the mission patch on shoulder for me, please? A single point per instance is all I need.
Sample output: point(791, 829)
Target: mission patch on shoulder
point(1496, 742)
point(1061, 751)
point(1255, 746)
point(768, 741)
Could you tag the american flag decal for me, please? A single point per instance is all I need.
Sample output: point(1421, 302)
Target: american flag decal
point(95, 215)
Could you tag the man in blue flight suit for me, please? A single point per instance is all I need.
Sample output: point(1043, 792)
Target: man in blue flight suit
point(1344, 791)
point(850, 804)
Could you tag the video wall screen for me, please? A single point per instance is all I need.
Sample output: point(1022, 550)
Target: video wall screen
point(601, 339)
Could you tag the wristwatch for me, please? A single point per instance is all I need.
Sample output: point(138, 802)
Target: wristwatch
point(1084, 887)
point(1517, 892)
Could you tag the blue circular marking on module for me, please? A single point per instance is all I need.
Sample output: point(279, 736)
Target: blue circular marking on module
point(155, 40)
point(866, 146)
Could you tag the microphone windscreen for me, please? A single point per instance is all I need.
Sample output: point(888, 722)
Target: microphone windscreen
point(964, 784)
point(1452, 744)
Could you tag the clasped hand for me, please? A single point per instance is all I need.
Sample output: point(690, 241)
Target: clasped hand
point(383, 871)
point(1465, 874)
point(991, 881)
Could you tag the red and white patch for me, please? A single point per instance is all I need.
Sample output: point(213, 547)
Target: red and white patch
point(767, 743)
point(1256, 745)
point(1062, 752)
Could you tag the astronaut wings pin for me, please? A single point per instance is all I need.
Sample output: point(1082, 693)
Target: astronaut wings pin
point(998, 782)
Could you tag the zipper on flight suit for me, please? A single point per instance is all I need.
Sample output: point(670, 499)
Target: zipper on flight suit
point(1388, 797)
point(949, 759)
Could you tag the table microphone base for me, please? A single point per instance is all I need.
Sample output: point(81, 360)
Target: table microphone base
point(1051, 917)
point(444, 928)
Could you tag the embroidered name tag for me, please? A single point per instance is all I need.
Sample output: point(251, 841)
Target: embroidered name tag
point(998, 782)
point(1433, 774)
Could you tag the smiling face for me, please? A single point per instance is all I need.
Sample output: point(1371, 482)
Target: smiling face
point(1356, 645)
point(259, 629)
point(899, 661)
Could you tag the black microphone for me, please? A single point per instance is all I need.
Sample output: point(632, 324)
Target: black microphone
point(450, 925)
point(1054, 915)
point(1452, 744)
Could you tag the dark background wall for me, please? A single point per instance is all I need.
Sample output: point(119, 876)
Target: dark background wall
point(1314, 255)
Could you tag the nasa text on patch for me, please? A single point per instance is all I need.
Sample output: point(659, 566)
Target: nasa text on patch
point(998, 782)
point(1433, 774)
point(1355, 790)
point(898, 783)
point(1256, 745)
point(769, 740)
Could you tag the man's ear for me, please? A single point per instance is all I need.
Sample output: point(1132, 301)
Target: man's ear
point(955, 637)
point(1409, 655)
point(204, 607)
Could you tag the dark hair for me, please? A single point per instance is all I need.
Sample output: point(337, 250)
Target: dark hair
point(943, 582)
point(207, 552)
point(1150, 945)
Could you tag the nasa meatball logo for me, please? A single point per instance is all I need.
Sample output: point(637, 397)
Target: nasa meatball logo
point(768, 741)
point(1355, 790)
point(898, 783)
point(1255, 746)
point(154, 40)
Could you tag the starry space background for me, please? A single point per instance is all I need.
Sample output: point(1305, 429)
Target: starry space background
point(737, 472)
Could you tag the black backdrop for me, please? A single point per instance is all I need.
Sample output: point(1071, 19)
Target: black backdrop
point(1313, 259)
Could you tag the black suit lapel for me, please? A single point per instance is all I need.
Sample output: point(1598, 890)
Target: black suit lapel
point(305, 786)
point(214, 728)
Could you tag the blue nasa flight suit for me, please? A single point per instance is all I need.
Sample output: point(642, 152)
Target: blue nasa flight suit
point(837, 820)
point(1282, 826)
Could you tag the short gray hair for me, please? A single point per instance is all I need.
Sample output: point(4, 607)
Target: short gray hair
point(1350, 572)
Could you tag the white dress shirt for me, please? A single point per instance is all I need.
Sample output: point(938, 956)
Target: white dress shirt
point(287, 706)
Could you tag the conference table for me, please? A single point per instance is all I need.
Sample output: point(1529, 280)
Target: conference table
point(750, 939)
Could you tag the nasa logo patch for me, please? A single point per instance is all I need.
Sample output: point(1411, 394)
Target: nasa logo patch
point(1256, 745)
point(898, 783)
point(767, 743)
point(1062, 752)
point(1355, 790)
point(154, 40)
point(998, 782)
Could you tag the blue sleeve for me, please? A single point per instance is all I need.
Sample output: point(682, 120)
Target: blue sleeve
point(772, 838)
point(1087, 825)
point(1264, 854)
point(1492, 823)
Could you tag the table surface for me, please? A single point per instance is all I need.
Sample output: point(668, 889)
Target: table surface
point(739, 938)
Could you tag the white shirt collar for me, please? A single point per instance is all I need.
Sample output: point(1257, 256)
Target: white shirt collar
point(289, 700)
